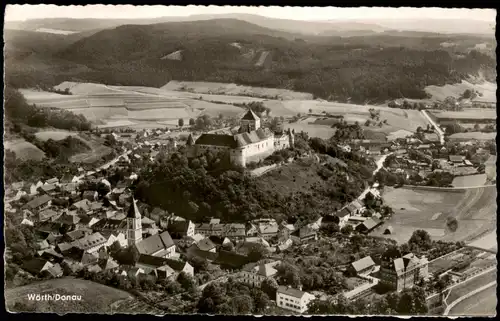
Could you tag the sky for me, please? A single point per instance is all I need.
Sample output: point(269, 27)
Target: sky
point(25, 12)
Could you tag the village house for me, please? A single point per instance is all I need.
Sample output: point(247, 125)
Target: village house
point(179, 229)
point(91, 243)
point(36, 266)
point(341, 217)
point(403, 272)
point(38, 203)
point(160, 245)
point(456, 159)
point(303, 235)
point(361, 266)
point(208, 229)
point(234, 231)
point(368, 225)
point(293, 299)
point(254, 274)
point(206, 245)
point(90, 195)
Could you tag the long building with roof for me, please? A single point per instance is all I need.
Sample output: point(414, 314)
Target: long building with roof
point(404, 272)
point(252, 143)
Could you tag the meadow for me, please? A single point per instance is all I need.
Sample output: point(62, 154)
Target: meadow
point(474, 209)
point(24, 149)
point(473, 135)
point(439, 93)
point(95, 297)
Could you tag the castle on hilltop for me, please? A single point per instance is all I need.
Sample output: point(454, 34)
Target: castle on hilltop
point(252, 143)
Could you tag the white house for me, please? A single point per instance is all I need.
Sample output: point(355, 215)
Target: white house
point(293, 299)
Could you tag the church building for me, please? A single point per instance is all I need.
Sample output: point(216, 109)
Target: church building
point(252, 143)
point(134, 226)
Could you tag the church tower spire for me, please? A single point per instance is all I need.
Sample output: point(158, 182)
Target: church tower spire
point(134, 226)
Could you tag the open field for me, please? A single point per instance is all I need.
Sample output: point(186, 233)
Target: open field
point(314, 130)
point(233, 89)
point(473, 135)
point(54, 134)
point(469, 180)
point(95, 297)
point(483, 303)
point(474, 209)
point(439, 93)
point(468, 114)
point(24, 149)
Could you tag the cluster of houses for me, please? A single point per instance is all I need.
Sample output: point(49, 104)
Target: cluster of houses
point(76, 230)
point(396, 273)
point(355, 215)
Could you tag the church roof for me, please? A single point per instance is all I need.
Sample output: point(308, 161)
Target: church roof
point(133, 211)
point(250, 115)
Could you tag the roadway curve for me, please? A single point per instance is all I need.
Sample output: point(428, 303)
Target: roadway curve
point(468, 295)
point(436, 127)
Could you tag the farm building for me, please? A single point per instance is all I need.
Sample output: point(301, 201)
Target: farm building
point(361, 266)
point(368, 225)
point(469, 180)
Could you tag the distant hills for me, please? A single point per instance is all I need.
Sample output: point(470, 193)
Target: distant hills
point(300, 27)
point(357, 65)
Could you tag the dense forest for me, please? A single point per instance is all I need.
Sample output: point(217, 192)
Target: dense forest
point(366, 69)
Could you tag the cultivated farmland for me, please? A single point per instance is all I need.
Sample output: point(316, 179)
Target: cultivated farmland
point(473, 135)
point(474, 209)
point(24, 150)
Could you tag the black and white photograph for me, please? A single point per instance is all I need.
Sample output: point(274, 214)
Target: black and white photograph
point(250, 160)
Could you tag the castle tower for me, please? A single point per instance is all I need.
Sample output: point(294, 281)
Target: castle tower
point(249, 122)
point(134, 226)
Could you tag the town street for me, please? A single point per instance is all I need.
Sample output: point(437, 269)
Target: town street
point(380, 165)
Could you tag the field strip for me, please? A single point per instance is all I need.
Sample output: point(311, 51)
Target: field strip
point(468, 295)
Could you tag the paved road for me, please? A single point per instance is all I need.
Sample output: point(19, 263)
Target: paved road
point(436, 127)
point(482, 301)
point(108, 164)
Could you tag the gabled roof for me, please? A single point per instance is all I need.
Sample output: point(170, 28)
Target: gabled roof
point(108, 264)
point(176, 265)
point(363, 263)
point(291, 292)
point(217, 140)
point(250, 115)
point(342, 213)
point(205, 245)
point(76, 235)
point(155, 243)
point(370, 223)
point(35, 265)
point(38, 202)
point(267, 270)
point(91, 241)
point(46, 214)
point(303, 232)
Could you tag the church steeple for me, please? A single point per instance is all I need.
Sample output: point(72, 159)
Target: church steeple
point(134, 225)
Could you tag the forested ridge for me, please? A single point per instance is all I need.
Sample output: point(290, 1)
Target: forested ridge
point(360, 69)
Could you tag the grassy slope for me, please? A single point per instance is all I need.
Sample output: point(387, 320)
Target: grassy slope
point(96, 298)
point(24, 149)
